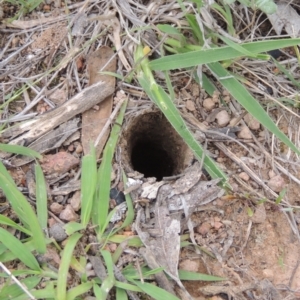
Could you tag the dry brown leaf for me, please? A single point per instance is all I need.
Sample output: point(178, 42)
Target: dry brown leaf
point(286, 18)
point(94, 120)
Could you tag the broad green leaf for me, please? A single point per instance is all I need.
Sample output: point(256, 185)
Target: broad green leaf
point(19, 250)
point(61, 290)
point(206, 56)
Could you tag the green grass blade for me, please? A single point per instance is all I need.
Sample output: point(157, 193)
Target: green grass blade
point(20, 150)
point(41, 197)
point(18, 249)
point(61, 290)
point(8, 255)
point(240, 93)
point(22, 209)
point(286, 73)
point(46, 293)
point(187, 275)
point(79, 290)
point(101, 201)
point(72, 227)
point(154, 291)
point(109, 281)
point(121, 294)
point(6, 221)
point(130, 209)
point(88, 185)
point(127, 286)
point(12, 291)
point(206, 56)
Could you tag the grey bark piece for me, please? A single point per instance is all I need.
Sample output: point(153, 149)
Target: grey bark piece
point(160, 277)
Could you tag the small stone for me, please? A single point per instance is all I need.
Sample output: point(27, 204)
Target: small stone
point(68, 214)
point(219, 203)
point(272, 174)
point(190, 265)
point(216, 96)
point(244, 176)
point(245, 133)
point(276, 183)
point(59, 163)
point(57, 232)
point(268, 273)
point(227, 99)
point(259, 215)
point(51, 222)
point(71, 148)
point(203, 228)
point(113, 247)
point(218, 225)
point(223, 118)
point(208, 104)
point(76, 201)
point(56, 208)
point(46, 7)
point(190, 105)
point(252, 122)
point(79, 149)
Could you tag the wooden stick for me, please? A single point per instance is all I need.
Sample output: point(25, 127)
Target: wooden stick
point(81, 102)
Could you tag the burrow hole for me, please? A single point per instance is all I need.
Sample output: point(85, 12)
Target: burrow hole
point(154, 147)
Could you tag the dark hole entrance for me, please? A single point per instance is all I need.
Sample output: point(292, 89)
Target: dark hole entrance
point(154, 147)
point(151, 160)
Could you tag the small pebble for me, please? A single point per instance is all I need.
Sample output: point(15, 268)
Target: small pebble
point(68, 214)
point(190, 265)
point(56, 208)
point(190, 105)
point(57, 232)
point(244, 176)
point(76, 201)
point(252, 122)
point(203, 228)
point(276, 183)
point(259, 215)
point(245, 133)
point(223, 118)
point(272, 174)
point(208, 104)
point(79, 149)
